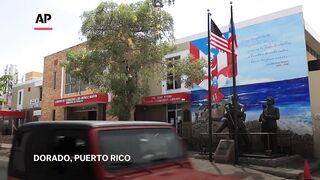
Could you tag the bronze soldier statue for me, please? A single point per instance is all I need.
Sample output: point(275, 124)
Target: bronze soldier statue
point(230, 123)
point(268, 120)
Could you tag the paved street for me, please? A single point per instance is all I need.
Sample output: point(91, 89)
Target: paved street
point(202, 165)
point(316, 175)
point(3, 169)
point(205, 165)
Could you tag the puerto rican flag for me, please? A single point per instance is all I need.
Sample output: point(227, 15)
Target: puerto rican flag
point(221, 63)
point(197, 51)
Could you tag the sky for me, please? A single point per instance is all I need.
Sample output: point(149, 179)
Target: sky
point(25, 47)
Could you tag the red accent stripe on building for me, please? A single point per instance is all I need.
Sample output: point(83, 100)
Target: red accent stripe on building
point(16, 114)
point(43, 28)
point(167, 98)
point(84, 99)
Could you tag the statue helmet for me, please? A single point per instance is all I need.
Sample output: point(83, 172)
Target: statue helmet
point(270, 98)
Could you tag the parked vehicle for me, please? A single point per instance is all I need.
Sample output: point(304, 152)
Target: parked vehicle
point(67, 150)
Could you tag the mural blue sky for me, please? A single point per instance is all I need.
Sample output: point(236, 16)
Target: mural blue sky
point(275, 53)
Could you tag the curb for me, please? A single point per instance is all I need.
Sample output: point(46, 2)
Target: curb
point(4, 159)
point(273, 162)
point(271, 167)
point(285, 172)
point(280, 172)
point(5, 146)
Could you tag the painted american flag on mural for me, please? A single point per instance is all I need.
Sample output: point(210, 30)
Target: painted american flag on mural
point(221, 59)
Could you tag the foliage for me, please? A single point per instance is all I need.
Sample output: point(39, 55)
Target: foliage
point(189, 70)
point(4, 80)
point(125, 49)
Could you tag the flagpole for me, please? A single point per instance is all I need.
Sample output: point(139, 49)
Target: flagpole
point(234, 90)
point(209, 90)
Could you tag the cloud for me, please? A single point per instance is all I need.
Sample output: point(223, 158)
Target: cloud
point(297, 127)
point(253, 81)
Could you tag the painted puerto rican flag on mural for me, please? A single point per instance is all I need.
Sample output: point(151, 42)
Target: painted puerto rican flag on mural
point(221, 63)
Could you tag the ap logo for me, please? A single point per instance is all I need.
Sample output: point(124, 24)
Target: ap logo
point(43, 22)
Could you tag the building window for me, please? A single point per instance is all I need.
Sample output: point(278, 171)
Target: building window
point(40, 95)
point(20, 98)
point(53, 115)
point(54, 80)
point(173, 80)
point(73, 85)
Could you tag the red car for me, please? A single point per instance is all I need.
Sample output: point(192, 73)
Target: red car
point(100, 150)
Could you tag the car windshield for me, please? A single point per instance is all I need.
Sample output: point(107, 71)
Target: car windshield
point(144, 146)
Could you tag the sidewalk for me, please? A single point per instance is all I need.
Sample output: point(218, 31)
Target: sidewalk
point(292, 170)
point(5, 151)
point(5, 145)
point(237, 171)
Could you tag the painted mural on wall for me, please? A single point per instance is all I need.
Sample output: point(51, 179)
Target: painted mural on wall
point(271, 62)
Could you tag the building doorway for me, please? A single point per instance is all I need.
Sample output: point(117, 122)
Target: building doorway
point(174, 112)
point(92, 115)
point(87, 112)
point(172, 117)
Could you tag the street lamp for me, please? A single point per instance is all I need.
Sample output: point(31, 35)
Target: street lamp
point(159, 3)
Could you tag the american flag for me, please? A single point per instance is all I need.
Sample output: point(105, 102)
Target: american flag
point(217, 40)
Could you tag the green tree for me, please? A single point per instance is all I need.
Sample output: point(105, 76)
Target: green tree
point(125, 49)
point(5, 83)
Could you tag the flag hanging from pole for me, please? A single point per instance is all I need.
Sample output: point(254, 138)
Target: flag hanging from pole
point(219, 42)
point(232, 40)
point(225, 61)
point(217, 39)
point(220, 60)
point(232, 35)
point(222, 64)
